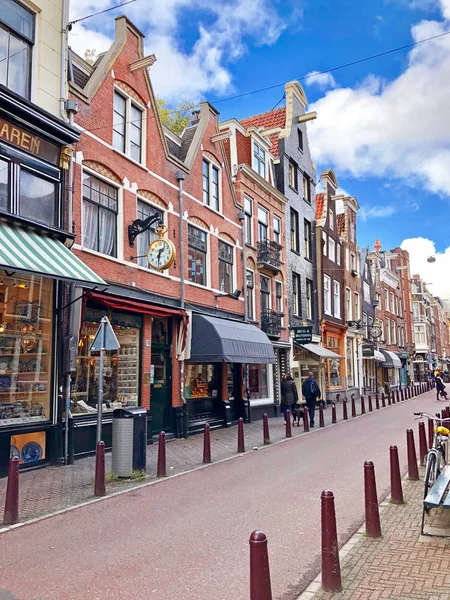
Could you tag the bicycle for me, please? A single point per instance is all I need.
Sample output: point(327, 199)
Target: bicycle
point(437, 454)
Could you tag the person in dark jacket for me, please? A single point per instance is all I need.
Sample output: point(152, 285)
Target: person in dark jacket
point(289, 394)
point(440, 387)
point(311, 391)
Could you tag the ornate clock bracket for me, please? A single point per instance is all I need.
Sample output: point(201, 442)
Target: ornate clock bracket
point(138, 226)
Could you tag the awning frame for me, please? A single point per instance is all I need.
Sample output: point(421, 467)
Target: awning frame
point(331, 355)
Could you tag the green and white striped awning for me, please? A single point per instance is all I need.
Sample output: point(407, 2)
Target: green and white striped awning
point(29, 251)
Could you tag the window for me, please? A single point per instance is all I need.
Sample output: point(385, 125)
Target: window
point(248, 210)
point(386, 299)
point(393, 334)
point(331, 249)
point(265, 284)
point(300, 139)
point(225, 267)
point(348, 304)
point(347, 259)
point(197, 249)
point(276, 230)
point(250, 294)
point(357, 314)
point(350, 361)
point(278, 296)
point(388, 331)
point(366, 292)
point(327, 295)
point(420, 335)
point(144, 211)
point(392, 303)
point(306, 189)
point(211, 186)
point(293, 178)
point(259, 159)
point(309, 298)
point(127, 127)
point(324, 243)
point(353, 263)
point(295, 241)
point(100, 205)
point(416, 311)
point(263, 228)
point(352, 229)
point(331, 220)
point(296, 294)
point(16, 45)
point(337, 299)
point(308, 240)
point(364, 322)
point(338, 254)
point(258, 381)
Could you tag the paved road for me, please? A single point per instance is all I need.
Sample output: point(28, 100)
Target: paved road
point(187, 537)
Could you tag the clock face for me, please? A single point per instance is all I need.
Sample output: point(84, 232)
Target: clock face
point(375, 332)
point(160, 254)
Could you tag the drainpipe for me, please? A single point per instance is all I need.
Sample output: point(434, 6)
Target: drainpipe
point(180, 178)
point(241, 218)
point(64, 46)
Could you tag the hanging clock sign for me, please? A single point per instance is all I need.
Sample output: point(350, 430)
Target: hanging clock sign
point(161, 253)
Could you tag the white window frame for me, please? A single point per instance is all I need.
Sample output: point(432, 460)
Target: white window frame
point(248, 220)
point(388, 331)
point(257, 160)
point(252, 293)
point(336, 299)
point(207, 259)
point(338, 254)
point(348, 304)
point(357, 305)
point(392, 300)
point(386, 300)
point(393, 332)
point(325, 245)
point(309, 299)
point(279, 283)
point(366, 292)
point(164, 217)
point(331, 220)
point(212, 165)
point(331, 249)
point(276, 219)
point(129, 102)
point(327, 295)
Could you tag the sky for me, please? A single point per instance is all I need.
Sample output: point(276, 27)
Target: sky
point(383, 125)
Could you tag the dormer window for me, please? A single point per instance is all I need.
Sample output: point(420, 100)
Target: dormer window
point(259, 160)
point(211, 185)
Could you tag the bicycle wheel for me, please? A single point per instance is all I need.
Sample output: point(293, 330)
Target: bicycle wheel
point(431, 473)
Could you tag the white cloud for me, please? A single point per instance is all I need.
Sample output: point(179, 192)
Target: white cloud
point(415, 206)
point(224, 28)
point(435, 273)
point(322, 80)
point(398, 129)
point(376, 212)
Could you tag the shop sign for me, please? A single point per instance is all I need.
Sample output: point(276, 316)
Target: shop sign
point(302, 335)
point(368, 351)
point(33, 144)
point(122, 320)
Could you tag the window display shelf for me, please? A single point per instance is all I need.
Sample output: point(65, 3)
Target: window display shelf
point(34, 392)
point(19, 420)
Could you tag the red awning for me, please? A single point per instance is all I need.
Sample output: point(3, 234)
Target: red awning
point(136, 306)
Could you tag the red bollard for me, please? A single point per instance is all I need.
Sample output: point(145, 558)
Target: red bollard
point(373, 527)
point(370, 404)
point(389, 401)
point(383, 400)
point(100, 482)
point(377, 402)
point(396, 480)
point(11, 514)
point(353, 407)
point(241, 441)
point(161, 469)
point(393, 397)
point(321, 419)
point(260, 587)
point(430, 432)
point(333, 414)
point(207, 444)
point(288, 424)
point(266, 434)
point(397, 396)
point(344, 410)
point(402, 394)
point(305, 419)
point(413, 471)
point(331, 569)
point(363, 406)
point(423, 448)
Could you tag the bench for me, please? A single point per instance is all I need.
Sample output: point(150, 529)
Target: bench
point(438, 496)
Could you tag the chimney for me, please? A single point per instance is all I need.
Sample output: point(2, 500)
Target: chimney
point(377, 245)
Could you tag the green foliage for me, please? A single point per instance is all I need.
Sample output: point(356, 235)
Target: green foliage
point(90, 56)
point(176, 119)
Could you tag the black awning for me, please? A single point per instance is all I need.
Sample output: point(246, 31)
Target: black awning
point(217, 340)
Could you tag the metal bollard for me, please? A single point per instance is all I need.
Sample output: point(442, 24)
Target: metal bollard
point(161, 469)
point(377, 402)
point(100, 482)
point(423, 448)
point(383, 400)
point(241, 441)
point(363, 406)
point(344, 410)
point(207, 444)
point(305, 419)
point(396, 480)
point(288, 424)
point(353, 406)
point(266, 434)
point(333, 413)
point(321, 418)
point(413, 471)
point(430, 432)
point(373, 527)
point(260, 587)
point(370, 404)
point(11, 514)
point(331, 569)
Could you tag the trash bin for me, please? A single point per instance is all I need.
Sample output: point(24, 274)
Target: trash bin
point(129, 440)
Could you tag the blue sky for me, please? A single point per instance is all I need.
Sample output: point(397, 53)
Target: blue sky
point(383, 125)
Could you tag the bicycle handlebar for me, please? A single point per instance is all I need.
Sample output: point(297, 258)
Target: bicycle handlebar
point(434, 417)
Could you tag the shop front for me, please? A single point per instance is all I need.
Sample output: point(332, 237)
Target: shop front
point(391, 371)
point(335, 368)
point(318, 360)
point(229, 372)
point(371, 359)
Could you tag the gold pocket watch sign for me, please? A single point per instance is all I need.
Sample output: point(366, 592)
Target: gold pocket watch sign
point(161, 253)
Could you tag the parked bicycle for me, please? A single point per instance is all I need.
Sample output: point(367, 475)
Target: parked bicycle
point(437, 455)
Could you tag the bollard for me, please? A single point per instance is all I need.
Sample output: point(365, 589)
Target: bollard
point(353, 407)
point(370, 404)
point(344, 410)
point(383, 400)
point(260, 587)
point(397, 396)
point(393, 396)
point(430, 432)
point(377, 402)
point(402, 394)
point(373, 527)
point(305, 419)
point(161, 470)
point(413, 471)
point(333, 414)
point(241, 442)
point(288, 424)
point(207, 444)
point(396, 480)
point(331, 569)
point(100, 482)
point(266, 434)
point(389, 400)
point(363, 406)
point(423, 448)
point(11, 514)
point(321, 419)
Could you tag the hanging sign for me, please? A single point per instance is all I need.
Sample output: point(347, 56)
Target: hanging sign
point(302, 335)
point(368, 351)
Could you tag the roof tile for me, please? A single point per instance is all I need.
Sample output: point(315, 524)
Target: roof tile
point(268, 120)
point(341, 223)
point(319, 206)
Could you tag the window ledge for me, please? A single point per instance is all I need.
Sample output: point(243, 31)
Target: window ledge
point(99, 254)
point(293, 189)
point(213, 210)
point(135, 162)
point(307, 201)
point(295, 252)
point(308, 260)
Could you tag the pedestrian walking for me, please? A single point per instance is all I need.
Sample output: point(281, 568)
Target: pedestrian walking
point(289, 394)
point(440, 387)
point(311, 391)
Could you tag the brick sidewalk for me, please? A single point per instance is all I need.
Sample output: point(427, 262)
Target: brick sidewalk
point(401, 565)
point(54, 488)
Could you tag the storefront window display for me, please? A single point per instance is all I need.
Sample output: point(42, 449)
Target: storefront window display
point(26, 339)
point(333, 373)
point(201, 381)
point(258, 381)
point(350, 363)
point(121, 367)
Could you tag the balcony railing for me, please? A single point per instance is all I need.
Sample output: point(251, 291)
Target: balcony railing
point(271, 322)
point(269, 255)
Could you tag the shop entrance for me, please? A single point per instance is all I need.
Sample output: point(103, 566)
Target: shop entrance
point(161, 378)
